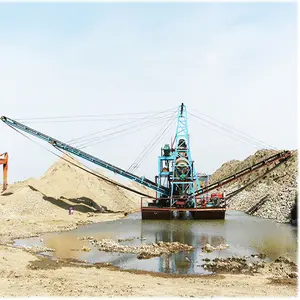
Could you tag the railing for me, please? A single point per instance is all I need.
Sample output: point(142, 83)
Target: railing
point(145, 201)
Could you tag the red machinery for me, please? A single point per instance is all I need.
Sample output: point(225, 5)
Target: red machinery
point(219, 196)
point(4, 162)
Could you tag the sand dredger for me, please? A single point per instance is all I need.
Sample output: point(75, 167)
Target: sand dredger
point(177, 186)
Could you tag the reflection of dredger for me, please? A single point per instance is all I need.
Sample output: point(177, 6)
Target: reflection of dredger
point(212, 240)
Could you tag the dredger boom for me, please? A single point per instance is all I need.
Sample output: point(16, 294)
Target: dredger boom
point(63, 146)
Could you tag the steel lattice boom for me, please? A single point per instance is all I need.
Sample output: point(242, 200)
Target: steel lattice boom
point(141, 180)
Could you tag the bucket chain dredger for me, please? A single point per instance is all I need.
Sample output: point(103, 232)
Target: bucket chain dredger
point(177, 185)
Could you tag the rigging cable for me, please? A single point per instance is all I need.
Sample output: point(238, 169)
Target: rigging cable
point(117, 126)
point(119, 133)
point(150, 144)
point(239, 131)
point(243, 135)
point(226, 132)
point(85, 168)
point(140, 159)
point(90, 116)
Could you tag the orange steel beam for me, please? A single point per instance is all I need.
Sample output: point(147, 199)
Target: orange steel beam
point(4, 162)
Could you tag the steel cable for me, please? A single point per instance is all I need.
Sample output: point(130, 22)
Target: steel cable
point(84, 137)
point(85, 168)
point(147, 146)
point(226, 132)
point(243, 135)
point(138, 162)
point(87, 116)
point(118, 134)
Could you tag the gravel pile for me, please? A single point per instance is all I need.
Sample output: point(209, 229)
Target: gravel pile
point(37, 249)
point(282, 267)
point(25, 203)
point(142, 251)
point(278, 188)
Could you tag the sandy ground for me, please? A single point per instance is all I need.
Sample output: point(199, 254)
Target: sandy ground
point(17, 278)
point(12, 228)
point(26, 274)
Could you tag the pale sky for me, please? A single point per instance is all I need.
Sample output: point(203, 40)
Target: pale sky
point(234, 62)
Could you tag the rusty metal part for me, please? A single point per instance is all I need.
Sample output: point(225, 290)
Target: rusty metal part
point(4, 162)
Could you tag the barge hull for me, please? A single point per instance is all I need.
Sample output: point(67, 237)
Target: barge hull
point(151, 213)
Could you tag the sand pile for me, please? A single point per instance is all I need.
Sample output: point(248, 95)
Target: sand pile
point(62, 186)
point(278, 188)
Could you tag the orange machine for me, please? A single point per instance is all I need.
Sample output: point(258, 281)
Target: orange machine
point(4, 162)
point(217, 195)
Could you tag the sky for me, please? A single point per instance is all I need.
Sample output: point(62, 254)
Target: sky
point(235, 62)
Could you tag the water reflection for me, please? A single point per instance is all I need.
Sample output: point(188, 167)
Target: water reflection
point(177, 231)
point(245, 235)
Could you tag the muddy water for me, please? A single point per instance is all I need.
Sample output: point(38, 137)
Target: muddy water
point(244, 234)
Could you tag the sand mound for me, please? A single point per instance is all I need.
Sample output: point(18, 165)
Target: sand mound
point(65, 185)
